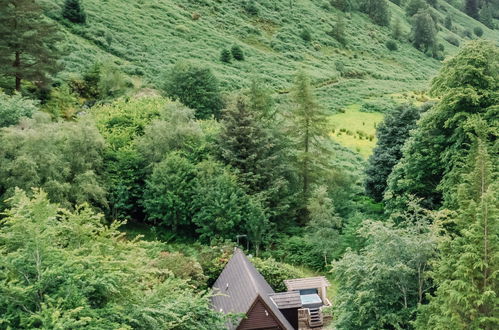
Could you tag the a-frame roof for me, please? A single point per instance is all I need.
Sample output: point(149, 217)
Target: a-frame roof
point(239, 285)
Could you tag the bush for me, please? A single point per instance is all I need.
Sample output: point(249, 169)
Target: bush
point(225, 56)
point(237, 53)
point(196, 87)
point(251, 8)
point(452, 40)
point(182, 267)
point(73, 11)
point(478, 31)
point(306, 35)
point(276, 272)
point(391, 45)
point(13, 108)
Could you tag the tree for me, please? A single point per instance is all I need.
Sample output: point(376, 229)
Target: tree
point(478, 31)
point(391, 136)
point(338, 31)
point(306, 35)
point(64, 269)
point(424, 32)
point(309, 126)
point(64, 158)
point(196, 87)
point(169, 193)
point(221, 207)
point(448, 22)
point(413, 6)
point(397, 32)
point(324, 225)
point(432, 157)
point(471, 8)
point(377, 10)
point(74, 12)
point(225, 56)
point(467, 269)
point(237, 53)
point(28, 44)
point(381, 286)
point(486, 16)
point(15, 107)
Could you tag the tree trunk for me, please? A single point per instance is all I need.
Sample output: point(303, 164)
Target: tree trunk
point(17, 65)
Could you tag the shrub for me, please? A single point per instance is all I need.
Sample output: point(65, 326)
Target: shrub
point(182, 267)
point(73, 11)
point(306, 35)
point(225, 56)
point(276, 272)
point(377, 10)
point(251, 8)
point(452, 40)
point(391, 45)
point(237, 53)
point(13, 108)
point(478, 31)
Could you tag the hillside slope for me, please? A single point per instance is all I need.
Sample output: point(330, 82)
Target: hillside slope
point(145, 37)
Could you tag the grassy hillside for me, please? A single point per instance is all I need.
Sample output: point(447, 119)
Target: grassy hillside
point(145, 37)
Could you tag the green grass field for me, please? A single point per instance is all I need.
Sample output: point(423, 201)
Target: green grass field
point(355, 129)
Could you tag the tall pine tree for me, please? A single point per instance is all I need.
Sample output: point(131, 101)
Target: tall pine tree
point(28, 43)
point(309, 125)
point(74, 12)
point(471, 8)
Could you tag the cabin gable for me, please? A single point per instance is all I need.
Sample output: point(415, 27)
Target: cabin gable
point(261, 317)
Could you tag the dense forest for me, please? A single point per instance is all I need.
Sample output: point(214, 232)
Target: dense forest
point(141, 141)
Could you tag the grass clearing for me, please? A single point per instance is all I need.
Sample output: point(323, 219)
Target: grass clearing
point(356, 130)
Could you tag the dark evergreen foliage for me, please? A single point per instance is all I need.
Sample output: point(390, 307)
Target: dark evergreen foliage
point(471, 8)
point(377, 10)
point(424, 32)
point(74, 12)
point(28, 46)
point(237, 53)
point(391, 134)
point(225, 56)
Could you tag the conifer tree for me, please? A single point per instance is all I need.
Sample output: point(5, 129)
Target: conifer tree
point(471, 8)
point(73, 11)
point(377, 10)
point(28, 43)
point(309, 125)
point(467, 271)
point(486, 16)
point(397, 32)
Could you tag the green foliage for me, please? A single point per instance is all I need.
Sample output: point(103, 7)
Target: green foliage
point(338, 32)
point(196, 87)
point(391, 45)
point(391, 135)
point(65, 159)
point(237, 53)
point(122, 124)
point(15, 107)
point(429, 168)
point(63, 269)
point(486, 16)
point(257, 153)
point(63, 103)
point(478, 31)
point(225, 56)
point(381, 286)
point(308, 126)
point(413, 6)
point(28, 44)
point(467, 270)
point(345, 5)
point(448, 22)
point(397, 32)
point(306, 35)
point(74, 12)
point(323, 227)
point(377, 10)
point(251, 7)
point(276, 272)
point(423, 33)
point(183, 267)
point(471, 8)
point(222, 209)
point(169, 192)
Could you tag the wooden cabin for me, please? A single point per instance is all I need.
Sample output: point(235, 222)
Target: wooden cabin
point(241, 289)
